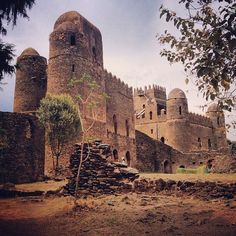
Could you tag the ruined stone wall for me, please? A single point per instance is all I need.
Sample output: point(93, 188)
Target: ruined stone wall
point(120, 113)
point(155, 156)
point(31, 82)
point(21, 148)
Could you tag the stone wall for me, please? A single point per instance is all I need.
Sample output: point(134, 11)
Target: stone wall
point(120, 119)
point(22, 148)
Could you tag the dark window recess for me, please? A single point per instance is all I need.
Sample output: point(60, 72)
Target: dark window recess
point(218, 121)
point(150, 114)
point(72, 40)
point(151, 131)
point(199, 142)
point(94, 53)
point(115, 124)
point(73, 68)
point(209, 143)
point(180, 110)
point(127, 127)
point(143, 106)
point(115, 155)
point(162, 139)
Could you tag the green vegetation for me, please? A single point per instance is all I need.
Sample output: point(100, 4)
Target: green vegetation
point(10, 10)
point(206, 46)
point(60, 117)
point(200, 170)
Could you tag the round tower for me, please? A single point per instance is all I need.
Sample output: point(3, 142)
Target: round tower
point(31, 81)
point(177, 120)
point(218, 125)
point(75, 49)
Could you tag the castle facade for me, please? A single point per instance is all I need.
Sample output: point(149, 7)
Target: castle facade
point(144, 126)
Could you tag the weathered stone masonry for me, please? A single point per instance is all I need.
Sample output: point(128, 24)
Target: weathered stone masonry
point(22, 148)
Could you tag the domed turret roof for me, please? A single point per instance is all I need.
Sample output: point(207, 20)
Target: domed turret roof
point(70, 16)
point(66, 26)
point(213, 108)
point(176, 93)
point(29, 52)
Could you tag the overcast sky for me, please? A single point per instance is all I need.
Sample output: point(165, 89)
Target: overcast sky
point(131, 50)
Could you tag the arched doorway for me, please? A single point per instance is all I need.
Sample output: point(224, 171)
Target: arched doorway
point(182, 166)
point(128, 159)
point(162, 139)
point(167, 167)
point(115, 155)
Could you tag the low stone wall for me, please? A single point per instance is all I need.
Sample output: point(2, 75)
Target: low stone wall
point(22, 148)
point(204, 190)
point(97, 175)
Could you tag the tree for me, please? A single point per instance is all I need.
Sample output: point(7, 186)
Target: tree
point(89, 101)
point(10, 10)
point(60, 117)
point(206, 46)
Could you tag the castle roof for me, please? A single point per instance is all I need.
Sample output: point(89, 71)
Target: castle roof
point(29, 52)
point(74, 18)
point(213, 108)
point(176, 93)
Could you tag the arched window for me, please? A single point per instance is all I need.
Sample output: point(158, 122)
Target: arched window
point(150, 115)
point(127, 127)
point(162, 139)
point(143, 106)
point(72, 40)
point(180, 110)
point(128, 159)
point(115, 124)
point(151, 131)
point(115, 155)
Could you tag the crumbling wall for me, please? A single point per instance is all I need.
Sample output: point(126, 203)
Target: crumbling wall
point(98, 175)
point(22, 148)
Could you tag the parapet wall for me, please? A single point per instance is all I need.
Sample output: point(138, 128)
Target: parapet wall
point(120, 85)
point(156, 90)
point(199, 120)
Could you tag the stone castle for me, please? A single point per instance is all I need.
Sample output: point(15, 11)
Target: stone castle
point(130, 121)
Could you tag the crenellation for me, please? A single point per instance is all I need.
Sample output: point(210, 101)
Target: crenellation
point(199, 119)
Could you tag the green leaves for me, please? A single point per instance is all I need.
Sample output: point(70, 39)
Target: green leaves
point(59, 115)
point(206, 46)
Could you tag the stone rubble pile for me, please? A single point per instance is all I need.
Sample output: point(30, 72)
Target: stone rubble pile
point(98, 176)
point(205, 190)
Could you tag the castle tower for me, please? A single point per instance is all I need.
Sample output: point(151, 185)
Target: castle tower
point(177, 120)
point(75, 49)
point(31, 81)
point(218, 123)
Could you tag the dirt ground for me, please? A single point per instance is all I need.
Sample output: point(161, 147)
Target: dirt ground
point(124, 214)
point(226, 178)
point(130, 214)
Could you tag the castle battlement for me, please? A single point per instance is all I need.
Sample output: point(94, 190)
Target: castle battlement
point(156, 90)
point(199, 119)
point(118, 83)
